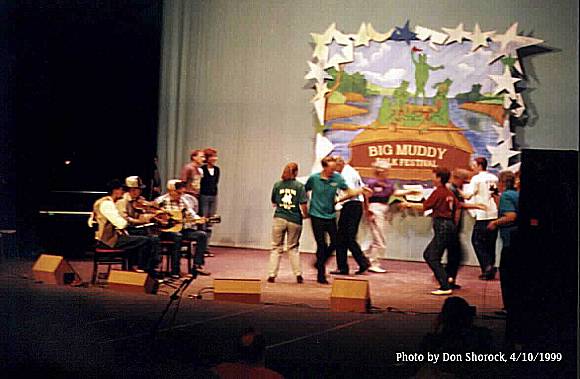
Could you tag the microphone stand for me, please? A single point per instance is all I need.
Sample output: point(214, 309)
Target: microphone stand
point(176, 295)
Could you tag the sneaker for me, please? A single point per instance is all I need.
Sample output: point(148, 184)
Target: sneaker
point(377, 269)
point(338, 272)
point(441, 292)
point(201, 271)
point(299, 279)
point(271, 279)
point(208, 254)
point(454, 286)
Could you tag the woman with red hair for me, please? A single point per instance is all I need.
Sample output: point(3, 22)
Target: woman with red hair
point(289, 199)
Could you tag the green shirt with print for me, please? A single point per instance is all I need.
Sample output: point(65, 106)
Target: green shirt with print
point(287, 195)
point(323, 194)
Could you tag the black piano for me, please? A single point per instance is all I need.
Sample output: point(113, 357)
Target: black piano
point(62, 227)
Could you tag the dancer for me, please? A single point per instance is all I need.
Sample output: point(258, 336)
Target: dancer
point(377, 210)
point(480, 190)
point(508, 205)
point(290, 201)
point(323, 187)
point(443, 203)
point(351, 212)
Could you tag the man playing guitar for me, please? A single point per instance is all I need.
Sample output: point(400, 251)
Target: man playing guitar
point(181, 225)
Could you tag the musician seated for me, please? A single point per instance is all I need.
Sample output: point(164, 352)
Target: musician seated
point(135, 209)
point(111, 231)
point(184, 220)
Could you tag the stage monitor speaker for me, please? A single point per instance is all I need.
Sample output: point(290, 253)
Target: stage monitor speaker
point(350, 295)
point(238, 290)
point(52, 269)
point(132, 281)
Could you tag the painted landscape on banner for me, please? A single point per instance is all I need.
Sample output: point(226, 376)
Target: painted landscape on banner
point(418, 100)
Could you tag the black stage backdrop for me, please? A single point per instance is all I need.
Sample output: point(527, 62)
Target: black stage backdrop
point(85, 103)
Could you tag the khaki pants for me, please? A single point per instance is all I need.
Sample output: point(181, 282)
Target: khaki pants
point(282, 228)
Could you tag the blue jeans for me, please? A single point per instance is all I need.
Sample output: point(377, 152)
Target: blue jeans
point(207, 208)
point(483, 241)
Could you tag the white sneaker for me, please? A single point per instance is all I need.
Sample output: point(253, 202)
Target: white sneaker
point(377, 269)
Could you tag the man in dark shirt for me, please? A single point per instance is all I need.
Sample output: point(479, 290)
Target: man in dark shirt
point(443, 204)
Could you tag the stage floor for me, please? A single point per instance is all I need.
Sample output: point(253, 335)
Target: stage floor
point(405, 286)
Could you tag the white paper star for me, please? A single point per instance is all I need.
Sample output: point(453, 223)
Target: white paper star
point(321, 91)
point(433, 36)
point(319, 108)
point(515, 167)
point(376, 36)
point(479, 38)
point(504, 134)
point(346, 55)
point(317, 72)
point(321, 41)
point(505, 82)
point(341, 38)
point(510, 42)
point(455, 35)
point(362, 37)
point(501, 155)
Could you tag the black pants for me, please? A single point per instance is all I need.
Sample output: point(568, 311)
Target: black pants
point(445, 236)
point(454, 257)
point(321, 227)
point(348, 224)
point(483, 241)
point(143, 251)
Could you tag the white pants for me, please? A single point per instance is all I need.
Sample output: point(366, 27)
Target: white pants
point(283, 228)
point(377, 227)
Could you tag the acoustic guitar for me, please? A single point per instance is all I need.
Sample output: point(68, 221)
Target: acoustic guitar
point(176, 220)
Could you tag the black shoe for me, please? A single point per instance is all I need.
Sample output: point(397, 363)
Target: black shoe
point(299, 279)
point(362, 269)
point(271, 279)
point(322, 281)
point(338, 272)
point(454, 286)
point(201, 271)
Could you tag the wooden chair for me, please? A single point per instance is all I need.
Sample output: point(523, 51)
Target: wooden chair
point(166, 251)
point(104, 256)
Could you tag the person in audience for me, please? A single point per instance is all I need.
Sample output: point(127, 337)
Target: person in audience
point(251, 363)
point(455, 333)
point(290, 203)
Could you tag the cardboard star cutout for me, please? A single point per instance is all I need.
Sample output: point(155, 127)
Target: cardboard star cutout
point(317, 72)
point(479, 38)
point(505, 82)
point(504, 134)
point(376, 36)
point(362, 37)
point(346, 55)
point(510, 42)
point(501, 155)
point(321, 41)
point(515, 167)
point(403, 34)
point(455, 35)
point(435, 38)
